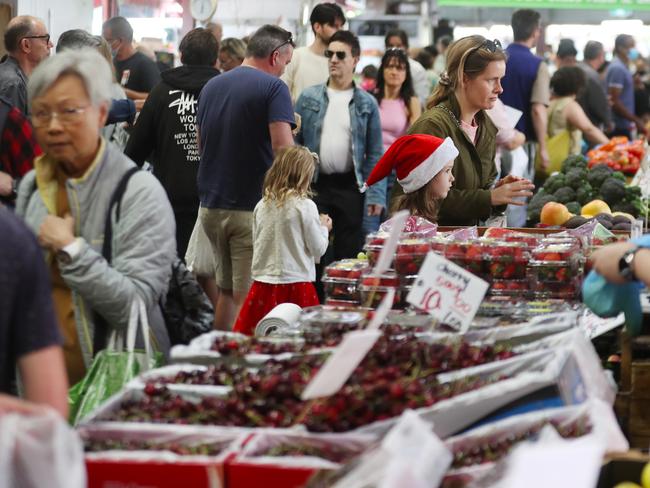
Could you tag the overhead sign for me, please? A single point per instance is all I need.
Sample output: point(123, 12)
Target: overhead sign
point(576, 4)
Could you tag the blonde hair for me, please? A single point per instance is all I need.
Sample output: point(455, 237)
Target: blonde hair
point(290, 175)
point(467, 56)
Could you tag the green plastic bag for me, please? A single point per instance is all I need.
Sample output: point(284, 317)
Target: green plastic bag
point(113, 367)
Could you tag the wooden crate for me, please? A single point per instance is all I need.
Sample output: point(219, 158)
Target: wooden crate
point(640, 380)
point(639, 419)
point(639, 442)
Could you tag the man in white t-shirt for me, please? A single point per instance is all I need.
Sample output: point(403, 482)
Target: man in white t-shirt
point(340, 122)
point(308, 65)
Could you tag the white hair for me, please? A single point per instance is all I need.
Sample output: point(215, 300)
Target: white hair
point(87, 64)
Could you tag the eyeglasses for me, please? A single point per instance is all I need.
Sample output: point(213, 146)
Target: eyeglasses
point(398, 67)
point(339, 54)
point(288, 41)
point(66, 116)
point(45, 37)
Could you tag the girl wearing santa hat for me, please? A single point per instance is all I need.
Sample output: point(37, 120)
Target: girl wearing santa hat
point(289, 237)
point(423, 165)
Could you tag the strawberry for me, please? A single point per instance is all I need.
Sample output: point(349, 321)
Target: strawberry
point(551, 256)
point(474, 253)
point(509, 271)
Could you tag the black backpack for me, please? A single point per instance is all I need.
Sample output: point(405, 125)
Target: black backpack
point(186, 308)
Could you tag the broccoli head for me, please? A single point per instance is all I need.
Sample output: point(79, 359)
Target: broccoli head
point(574, 162)
point(554, 183)
point(565, 195)
point(535, 206)
point(612, 190)
point(585, 194)
point(573, 207)
point(632, 192)
point(619, 176)
point(576, 177)
point(598, 174)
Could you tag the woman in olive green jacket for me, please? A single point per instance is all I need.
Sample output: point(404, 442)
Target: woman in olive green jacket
point(456, 109)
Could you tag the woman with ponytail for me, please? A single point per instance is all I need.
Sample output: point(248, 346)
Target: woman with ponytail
point(470, 85)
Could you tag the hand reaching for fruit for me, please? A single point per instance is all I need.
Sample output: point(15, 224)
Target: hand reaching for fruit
point(510, 189)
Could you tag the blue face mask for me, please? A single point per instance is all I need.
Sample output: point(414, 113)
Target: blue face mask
point(633, 54)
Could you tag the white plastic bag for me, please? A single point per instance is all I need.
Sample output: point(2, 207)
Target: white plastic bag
point(199, 256)
point(40, 450)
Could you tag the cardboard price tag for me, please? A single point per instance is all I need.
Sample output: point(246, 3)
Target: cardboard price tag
point(382, 310)
point(448, 292)
point(340, 365)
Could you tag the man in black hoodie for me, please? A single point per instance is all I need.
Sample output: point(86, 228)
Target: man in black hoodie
point(165, 133)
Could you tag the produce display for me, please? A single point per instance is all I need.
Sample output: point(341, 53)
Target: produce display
point(341, 278)
point(332, 452)
point(410, 254)
point(400, 368)
point(579, 193)
point(620, 154)
point(246, 345)
point(373, 288)
point(250, 388)
point(469, 255)
point(197, 449)
point(496, 448)
point(507, 260)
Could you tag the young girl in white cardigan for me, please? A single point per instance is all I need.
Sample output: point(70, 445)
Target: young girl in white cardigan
point(289, 237)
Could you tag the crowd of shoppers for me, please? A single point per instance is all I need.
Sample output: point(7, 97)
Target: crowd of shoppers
point(268, 157)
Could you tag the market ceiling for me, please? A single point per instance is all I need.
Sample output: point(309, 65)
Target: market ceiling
point(551, 4)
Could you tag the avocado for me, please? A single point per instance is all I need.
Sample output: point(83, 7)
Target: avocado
point(621, 219)
point(575, 222)
point(604, 216)
point(606, 223)
point(627, 226)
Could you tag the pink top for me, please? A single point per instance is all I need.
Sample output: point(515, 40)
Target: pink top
point(470, 130)
point(394, 120)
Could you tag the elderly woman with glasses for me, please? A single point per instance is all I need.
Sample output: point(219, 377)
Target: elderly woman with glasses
point(65, 200)
point(471, 85)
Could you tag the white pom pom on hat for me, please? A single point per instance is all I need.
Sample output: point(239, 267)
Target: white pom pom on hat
point(416, 158)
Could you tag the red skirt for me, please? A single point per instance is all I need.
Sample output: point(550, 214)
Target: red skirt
point(263, 297)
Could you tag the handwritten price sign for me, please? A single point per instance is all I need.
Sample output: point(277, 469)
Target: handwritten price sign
point(448, 292)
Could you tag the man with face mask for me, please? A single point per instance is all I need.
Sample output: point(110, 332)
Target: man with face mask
point(593, 98)
point(135, 72)
point(620, 87)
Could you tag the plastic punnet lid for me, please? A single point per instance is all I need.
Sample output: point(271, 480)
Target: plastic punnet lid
point(346, 268)
point(325, 314)
point(465, 249)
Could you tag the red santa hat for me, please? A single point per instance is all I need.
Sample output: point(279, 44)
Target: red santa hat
point(416, 158)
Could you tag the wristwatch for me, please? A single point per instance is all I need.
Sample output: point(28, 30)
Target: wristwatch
point(626, 264)
point(66, 254)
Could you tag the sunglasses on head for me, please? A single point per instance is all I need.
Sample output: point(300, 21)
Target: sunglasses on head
point(491, 46)
point(339, 54)
point(288, 41)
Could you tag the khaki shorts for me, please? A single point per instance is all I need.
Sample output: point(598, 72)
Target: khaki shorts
point(231, 235)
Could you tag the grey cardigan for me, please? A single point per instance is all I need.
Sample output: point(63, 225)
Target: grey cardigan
point(144, 244)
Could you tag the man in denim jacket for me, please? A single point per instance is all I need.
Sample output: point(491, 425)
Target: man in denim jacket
point(340, 123)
